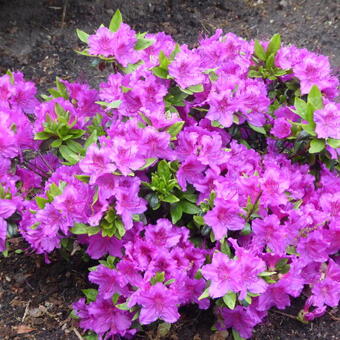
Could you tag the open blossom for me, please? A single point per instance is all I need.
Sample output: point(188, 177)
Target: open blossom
point(158, 302)
point(327, 121)
point(186, 68)
point(241, 319)
point(102, 43)
point(281, 128)
point(223, 217)
point(272, 233)
point(222, 273)
point(97, 162)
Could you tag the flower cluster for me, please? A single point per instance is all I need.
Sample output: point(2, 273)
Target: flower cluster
point(203, 176)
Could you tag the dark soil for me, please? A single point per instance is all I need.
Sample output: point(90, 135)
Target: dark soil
point(38, 39)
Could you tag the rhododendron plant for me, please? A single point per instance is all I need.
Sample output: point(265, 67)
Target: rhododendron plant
point(206, 175)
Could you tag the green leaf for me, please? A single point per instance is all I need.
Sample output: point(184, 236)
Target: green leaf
point(41, 201)
point(113, 105)
point(175, 129)
point(61, 88)
point(143, 43)
point(259, 50)
point(176, 213)
point(69, 155)
point(170, 198)
point(270, 62)
point(309, 117)
point(42, 136)
point(158, 277)
point(91, 294)
point(116, 21)
point(225, 249)
point(83, 36)
point(123, 306)
point(230, 300)
point(163, 169)
point(236, 335)
point(56, 143)
point(83, 178)
point(160, 72)
point(196, 88)
point(169, 282)
point(334, 143)
point(204, 295)
point(148, 162)
point(309, 128)
point(300, 107)
point(132, 67)
point(315, 97)
point(259, 129)
point(274, 45)
point(75, 147)
point(81, 229)
point(163, 329)
point(120, 228)
point(198, 219)
point(316, 145)
point(92, 139)
point(189, 208)
point(266, 273)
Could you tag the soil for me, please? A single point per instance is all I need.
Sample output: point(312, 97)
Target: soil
point(38, 37)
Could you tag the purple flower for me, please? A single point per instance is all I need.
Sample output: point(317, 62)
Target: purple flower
point(7, 208)
point(104, 317)
point(186, 68)
point(222, 272)
point(281, 128)
point(108, 281)
point(326, 292)
point(158, 302)
point(190, 171)
point(223, 217)
point(314, 247)
point(97, 162)
point(99, 246)
point(327, 121)
point(240, 319)
point(102, 43)
point(270, 232)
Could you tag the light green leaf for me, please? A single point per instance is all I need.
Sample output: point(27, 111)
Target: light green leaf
point(230, 300)
point(259, 129)
point(170, 198)
point(334, 143)
point(204, 295)
point(143, 43)
point(259, 50)
point(92, 139)
point(236, 335)
point(316, 145)
point(175, 129)
point(116, 21)
point(113, 105)
point(91, 294)
point(274, 45)
point(148, 162)
point(315, 97)
point(83, 36)
point(123, 306)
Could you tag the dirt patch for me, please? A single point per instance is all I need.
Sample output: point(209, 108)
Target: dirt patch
point(36, 38)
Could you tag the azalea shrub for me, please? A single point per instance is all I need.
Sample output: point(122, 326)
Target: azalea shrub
point(204, 176)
